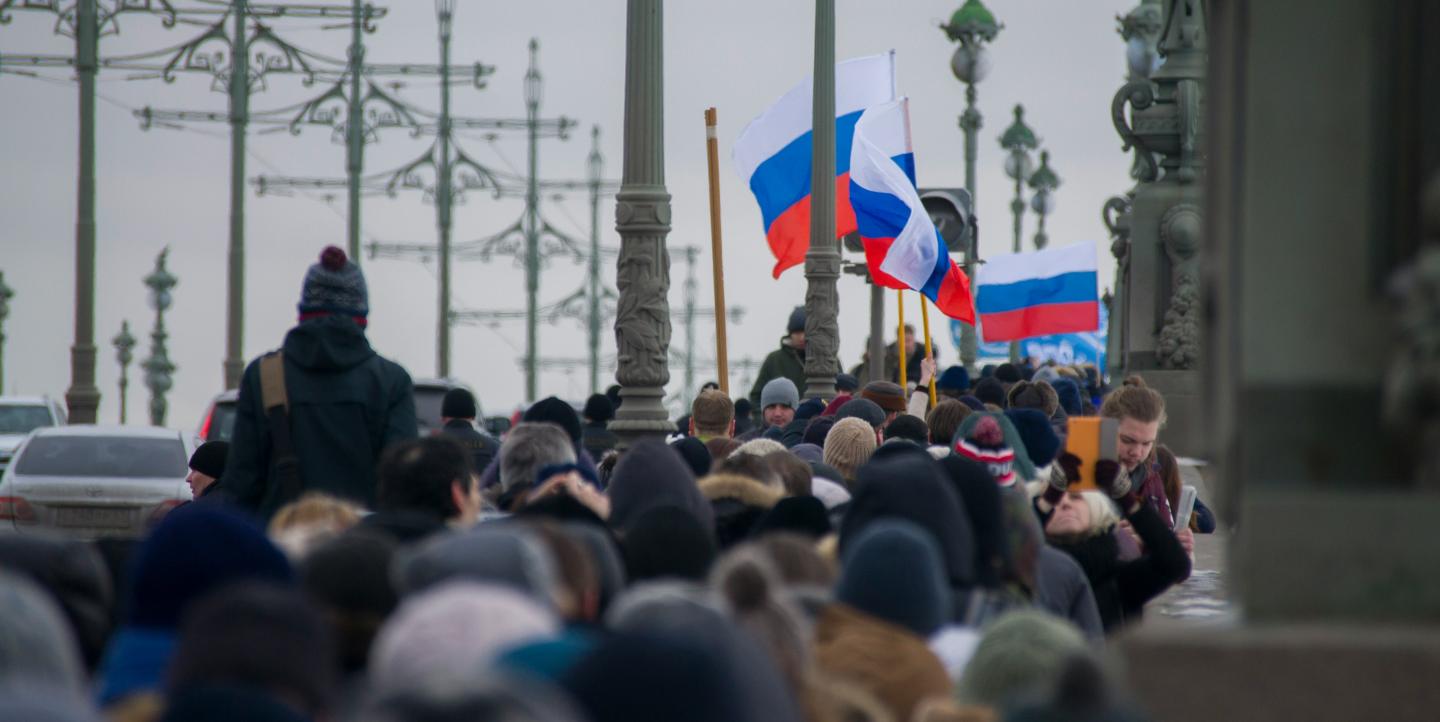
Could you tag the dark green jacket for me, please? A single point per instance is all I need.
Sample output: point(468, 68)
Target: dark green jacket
point(786, 361)
point(346, 405)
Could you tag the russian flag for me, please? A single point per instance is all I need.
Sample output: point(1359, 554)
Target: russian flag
point(773, 154)
point(1047, 292)
point(902, 247)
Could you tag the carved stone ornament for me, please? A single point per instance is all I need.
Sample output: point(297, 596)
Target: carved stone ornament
point(1412, 385)
point(1180, 335)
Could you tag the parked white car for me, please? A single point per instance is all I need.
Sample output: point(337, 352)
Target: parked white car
point(95, 481)
point(19, 415)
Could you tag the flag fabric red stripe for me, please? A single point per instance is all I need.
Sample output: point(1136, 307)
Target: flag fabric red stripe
point(789, 235)
point(1040, 321)
point(953, 299)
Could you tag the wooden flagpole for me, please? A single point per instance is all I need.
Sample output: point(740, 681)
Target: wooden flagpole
point(929, 353)
point(900, 337)
point(717, 261)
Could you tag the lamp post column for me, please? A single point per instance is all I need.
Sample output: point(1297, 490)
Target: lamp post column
point(158, 368)
point(642, 217)
point(444, 193)
point(6, 293)
point(1018, 141)
point(124, 346)
point(971, 26)
point(239, 88)
point(822, 260)
point(83, 398)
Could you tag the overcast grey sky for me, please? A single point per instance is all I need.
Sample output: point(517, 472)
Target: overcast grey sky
point(1062, 59)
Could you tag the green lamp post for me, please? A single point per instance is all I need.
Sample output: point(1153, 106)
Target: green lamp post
point(1018, 141)
point(159, 371)
point(124, 353)
point(1044, 181)
point(6, 293)
point(971, 26)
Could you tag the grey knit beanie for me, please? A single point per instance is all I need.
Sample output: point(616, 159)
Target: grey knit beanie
point(334, 285)
point(779, 391)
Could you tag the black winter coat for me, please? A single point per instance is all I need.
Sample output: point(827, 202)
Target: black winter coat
point(483, 447)
point(1123, 587)
point(346, 405)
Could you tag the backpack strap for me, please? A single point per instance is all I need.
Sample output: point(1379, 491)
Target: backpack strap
point(285, 470)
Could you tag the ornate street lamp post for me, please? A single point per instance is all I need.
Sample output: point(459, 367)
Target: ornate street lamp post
point(1044, 181)
point(1018, 141)
point(124, 344)
point(158, 368)
point(6, 293)
point(972, 26)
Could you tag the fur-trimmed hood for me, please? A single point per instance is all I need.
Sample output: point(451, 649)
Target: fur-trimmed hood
point(740, 488)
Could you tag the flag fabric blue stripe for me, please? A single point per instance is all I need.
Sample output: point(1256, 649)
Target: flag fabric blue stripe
point(942, 266)
point(1072, 287)
point(784, 178)
point(881, 215)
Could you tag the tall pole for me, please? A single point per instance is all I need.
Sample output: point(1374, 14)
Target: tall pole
point(443, 194)
point(875, 365)
point(83, 398)
point(970, 123)
point(239, 89)
point(6, 293)
point(1017, 141)
point(972, 26)
point(822, 260)
point(532, 222)
point(691, 288)
point(354, 136)
point(717, 252)
point(593, 291)
point(642, 217)
point(124, 354)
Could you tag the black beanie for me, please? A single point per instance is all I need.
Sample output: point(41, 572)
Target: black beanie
point(797, 320)
point(817, 429)
point(667, 541)
point(598, 408)
point(256, 635)
point(557, 412)
point(209, 458)
point(695, 453)
point(1008, 373)
point(459, 404)
point(991, 391)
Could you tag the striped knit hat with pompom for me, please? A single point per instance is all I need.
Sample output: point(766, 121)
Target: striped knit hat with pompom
point(985, 443)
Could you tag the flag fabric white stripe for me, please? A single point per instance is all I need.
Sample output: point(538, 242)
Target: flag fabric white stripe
point(1051, 262)
point(859, 84)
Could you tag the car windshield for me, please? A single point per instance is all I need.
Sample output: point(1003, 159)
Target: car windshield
point(23, 419)
point(222, 422)
point(427, 408)
point(103, 456)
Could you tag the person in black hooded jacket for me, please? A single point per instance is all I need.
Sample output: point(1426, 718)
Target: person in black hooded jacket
point(346, 403)
point(903, 481)
point(1082, 525)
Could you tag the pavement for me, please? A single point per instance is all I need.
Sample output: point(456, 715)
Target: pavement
point(1205, 596)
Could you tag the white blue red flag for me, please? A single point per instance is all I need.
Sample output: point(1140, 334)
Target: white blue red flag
point(1046, 292)
point(773, 154)
point(902, 247)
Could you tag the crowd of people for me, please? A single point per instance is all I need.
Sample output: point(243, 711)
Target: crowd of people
point(868, 557)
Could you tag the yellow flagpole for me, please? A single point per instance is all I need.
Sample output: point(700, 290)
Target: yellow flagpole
point(712, 157)
point(929, 353)
point(900, 333)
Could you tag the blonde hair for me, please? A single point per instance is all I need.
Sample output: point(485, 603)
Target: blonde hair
point(315, 517)
point(1134, 400)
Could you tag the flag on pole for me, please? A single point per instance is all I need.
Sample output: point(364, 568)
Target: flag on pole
point(1047, 292)
point(902, 246)
point(773, 154)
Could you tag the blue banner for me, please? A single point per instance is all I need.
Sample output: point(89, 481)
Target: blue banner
point(1064, 348)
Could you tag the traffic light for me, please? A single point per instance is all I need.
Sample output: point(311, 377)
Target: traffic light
point(952, 213)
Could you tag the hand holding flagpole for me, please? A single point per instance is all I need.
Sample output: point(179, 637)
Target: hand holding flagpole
point(929, 353)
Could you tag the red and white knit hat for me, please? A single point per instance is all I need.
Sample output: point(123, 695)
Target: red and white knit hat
point(986, 444)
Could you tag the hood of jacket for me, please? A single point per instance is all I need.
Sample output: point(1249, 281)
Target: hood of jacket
point(901, 480)
point(652, 474)
point(328, 344)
